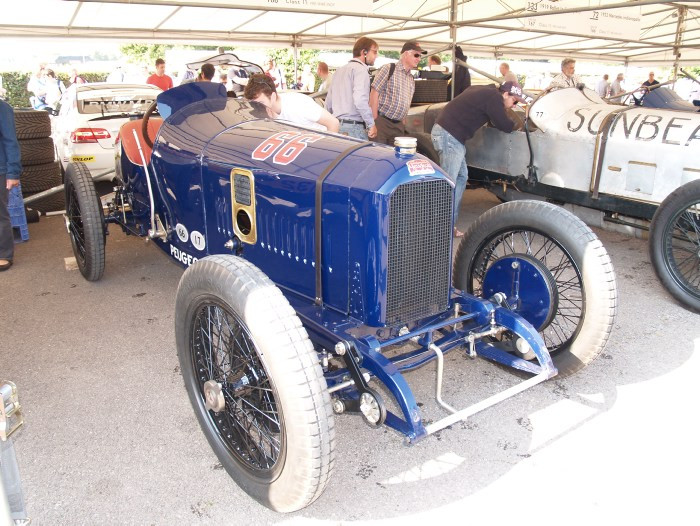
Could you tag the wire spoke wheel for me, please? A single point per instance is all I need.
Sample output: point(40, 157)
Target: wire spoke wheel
point(674, 244)
point(577, 290)
point(255, 382)
point(75, 226)
point(682, 246)
point(250, 424)
point(568, 280)
point(85, 221)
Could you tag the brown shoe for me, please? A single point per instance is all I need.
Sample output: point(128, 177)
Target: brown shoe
point(5, 264)
point(457, 233)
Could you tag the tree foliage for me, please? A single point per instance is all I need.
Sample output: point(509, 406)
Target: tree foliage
point(139, 53)
point(15, 82)
point(285, 60)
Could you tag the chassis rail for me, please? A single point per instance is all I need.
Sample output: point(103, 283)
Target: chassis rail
point(365, 357)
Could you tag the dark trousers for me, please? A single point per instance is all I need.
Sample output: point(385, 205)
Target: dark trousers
point(387, 130)
point(7, 241)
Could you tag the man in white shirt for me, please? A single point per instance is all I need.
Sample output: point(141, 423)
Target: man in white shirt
point(616, 87)
point(603, 88)
point(289, 106)
point(276, 74)
point(308, 81)
point(567, 78)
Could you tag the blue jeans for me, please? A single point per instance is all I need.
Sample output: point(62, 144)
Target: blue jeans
point(354, 130)
point(453, 159)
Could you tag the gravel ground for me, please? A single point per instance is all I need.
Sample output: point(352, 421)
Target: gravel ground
point(110, 437)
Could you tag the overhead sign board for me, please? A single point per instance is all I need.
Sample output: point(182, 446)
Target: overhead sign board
point(360, 7)
point(624, 23)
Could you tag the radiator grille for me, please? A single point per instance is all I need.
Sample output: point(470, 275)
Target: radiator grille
point(420, 232)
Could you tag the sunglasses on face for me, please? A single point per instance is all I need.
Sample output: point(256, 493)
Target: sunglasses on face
point(416, 55)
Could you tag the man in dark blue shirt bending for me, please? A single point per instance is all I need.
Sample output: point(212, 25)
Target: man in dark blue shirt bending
point(458, 122)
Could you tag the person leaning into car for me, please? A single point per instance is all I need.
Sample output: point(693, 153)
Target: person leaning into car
point(458, 122)
point(392, 92)
point(348, 95)
point(296, 108)
point(206, 73)
point(10, 168)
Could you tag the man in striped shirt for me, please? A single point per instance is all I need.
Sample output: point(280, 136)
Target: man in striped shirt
point(392, 91)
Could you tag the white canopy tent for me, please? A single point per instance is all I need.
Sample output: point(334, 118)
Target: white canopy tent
point(640, 32)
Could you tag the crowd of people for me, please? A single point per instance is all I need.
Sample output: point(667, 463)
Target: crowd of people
point(376, 110)
point(46, 89)
point(355, 106)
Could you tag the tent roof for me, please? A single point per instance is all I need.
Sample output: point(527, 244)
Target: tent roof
point(483, 27)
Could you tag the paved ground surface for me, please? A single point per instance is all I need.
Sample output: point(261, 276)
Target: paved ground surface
point(110, 437)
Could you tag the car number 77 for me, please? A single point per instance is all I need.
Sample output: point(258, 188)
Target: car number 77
point(285, 145)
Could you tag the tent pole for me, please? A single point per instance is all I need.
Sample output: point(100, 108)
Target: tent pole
point(453, 38)
point(680, 28)
point(295, 47)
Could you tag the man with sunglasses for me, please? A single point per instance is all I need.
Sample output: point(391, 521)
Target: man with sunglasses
point(458, 122)
point(392, 91)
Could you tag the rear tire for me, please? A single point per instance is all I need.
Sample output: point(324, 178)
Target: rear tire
point(674, 244)
point(85, 221)
point(238, 337)
point(571, 256)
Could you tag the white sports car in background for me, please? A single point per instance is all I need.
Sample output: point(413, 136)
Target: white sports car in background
point(89, 119)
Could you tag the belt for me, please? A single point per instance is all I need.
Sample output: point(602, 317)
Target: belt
point(351, 121)
point(395, 121)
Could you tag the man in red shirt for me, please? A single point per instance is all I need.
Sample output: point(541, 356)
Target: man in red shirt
point(159, 78)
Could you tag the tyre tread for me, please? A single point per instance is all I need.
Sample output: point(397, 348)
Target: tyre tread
point(36, 151)
point(78, 175)
point(599, 275)
point(32, 124)
point(681, 198)
point(311, 414)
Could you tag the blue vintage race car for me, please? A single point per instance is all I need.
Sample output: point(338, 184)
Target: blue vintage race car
point(319, 267)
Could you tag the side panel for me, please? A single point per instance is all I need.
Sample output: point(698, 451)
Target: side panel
point(650, 153)
point(285, 193)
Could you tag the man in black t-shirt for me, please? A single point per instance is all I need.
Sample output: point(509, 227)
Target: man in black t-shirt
point(651, 82)
point(646, 84)
point(458, 122)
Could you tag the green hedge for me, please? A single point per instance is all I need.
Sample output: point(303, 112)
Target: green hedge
point(15, 83)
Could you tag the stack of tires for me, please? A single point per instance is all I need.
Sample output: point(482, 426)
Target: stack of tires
point(40, 170)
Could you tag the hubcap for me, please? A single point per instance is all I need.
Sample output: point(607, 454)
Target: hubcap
point(529, 286)
point(214, 396)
